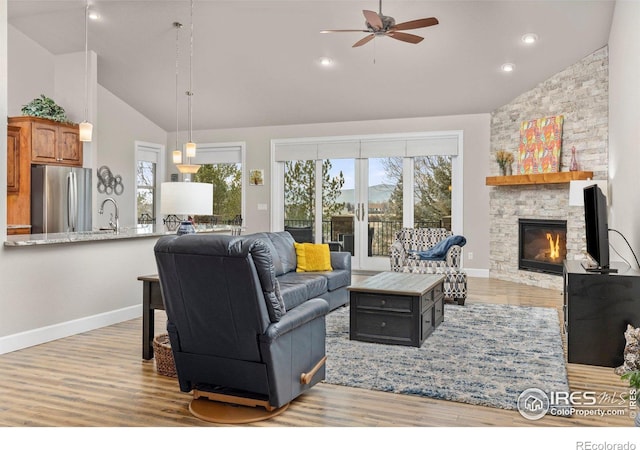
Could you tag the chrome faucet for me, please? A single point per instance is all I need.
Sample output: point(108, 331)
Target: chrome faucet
point(114, 226)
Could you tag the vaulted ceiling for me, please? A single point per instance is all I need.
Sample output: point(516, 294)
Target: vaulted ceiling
point(256, 63)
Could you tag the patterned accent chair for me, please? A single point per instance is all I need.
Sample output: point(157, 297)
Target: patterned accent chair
point(409, 240)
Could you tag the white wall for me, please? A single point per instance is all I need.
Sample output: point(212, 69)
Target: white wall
point(476, 165)
point(624, 122)
point(51, 291)
point(35, 75)
point(119, 126)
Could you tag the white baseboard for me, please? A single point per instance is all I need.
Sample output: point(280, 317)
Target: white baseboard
point(52, 332)
point(476, 273)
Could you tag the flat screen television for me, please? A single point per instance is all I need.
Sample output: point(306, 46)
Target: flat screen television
point(597, 230)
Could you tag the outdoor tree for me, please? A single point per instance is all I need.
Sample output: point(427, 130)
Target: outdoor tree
point(432, 188)
point(227, 188)
point(145, 181)
point(299, 183)
point(433, 193)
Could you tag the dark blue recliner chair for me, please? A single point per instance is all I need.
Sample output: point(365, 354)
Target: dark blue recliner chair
point(232, 341)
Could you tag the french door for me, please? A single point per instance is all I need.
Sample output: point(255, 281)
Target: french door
point(324, 193)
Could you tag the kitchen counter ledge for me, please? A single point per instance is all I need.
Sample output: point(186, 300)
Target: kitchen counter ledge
point(141, 231)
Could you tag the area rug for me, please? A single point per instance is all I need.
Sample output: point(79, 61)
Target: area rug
point(481, 354)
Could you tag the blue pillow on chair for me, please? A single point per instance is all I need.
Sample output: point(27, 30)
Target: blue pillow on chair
point(439, 251)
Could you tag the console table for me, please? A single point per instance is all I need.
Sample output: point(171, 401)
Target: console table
point(396, 308)
point(151, 300)
point(597, 308)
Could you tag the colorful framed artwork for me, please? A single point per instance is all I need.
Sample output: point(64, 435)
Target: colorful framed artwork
point(540, 145)
point(256, 177)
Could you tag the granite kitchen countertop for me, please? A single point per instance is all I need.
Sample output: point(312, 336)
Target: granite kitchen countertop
point(139, 231)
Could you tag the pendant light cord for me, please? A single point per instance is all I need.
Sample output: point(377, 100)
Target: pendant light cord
point(86, 62)
point(190, 92)
point(177, 25)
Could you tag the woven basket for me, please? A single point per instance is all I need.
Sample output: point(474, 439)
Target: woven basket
point(163, 356)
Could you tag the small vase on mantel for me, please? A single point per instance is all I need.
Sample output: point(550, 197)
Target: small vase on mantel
point(509, 170)
point(574, 163)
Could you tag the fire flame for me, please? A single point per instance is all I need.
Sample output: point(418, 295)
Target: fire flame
point(554, 248)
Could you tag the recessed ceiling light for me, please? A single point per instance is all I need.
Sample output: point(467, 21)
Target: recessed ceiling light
point(326, 62)
point(529, 38)
point(508, 67)
point(94, 15)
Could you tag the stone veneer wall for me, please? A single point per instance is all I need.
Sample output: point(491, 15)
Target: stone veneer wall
point(580, 93)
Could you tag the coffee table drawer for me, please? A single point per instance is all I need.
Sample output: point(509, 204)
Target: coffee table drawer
point(383, 328)
point(428, 324)
point(438, 312)
point(438, 291)
point(384, 302)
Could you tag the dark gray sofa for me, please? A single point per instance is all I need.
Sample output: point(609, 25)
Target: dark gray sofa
point(298, 287)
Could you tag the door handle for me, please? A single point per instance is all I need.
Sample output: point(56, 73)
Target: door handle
point(72, 201)
point(360, 212)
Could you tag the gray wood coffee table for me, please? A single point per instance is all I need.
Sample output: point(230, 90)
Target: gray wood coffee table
point(396, 308)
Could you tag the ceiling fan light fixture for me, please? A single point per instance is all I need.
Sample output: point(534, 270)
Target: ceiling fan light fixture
point(508, 67)
point(377, 24)
point(529, 38)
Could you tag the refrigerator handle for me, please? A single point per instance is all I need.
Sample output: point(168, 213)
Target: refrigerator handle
point(72, 201)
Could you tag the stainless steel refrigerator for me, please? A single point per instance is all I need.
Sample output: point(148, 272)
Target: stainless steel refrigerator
point(60, 199)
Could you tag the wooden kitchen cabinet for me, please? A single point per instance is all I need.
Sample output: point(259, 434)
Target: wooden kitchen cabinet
point(13, 159)
point(50, 142)
point(18, 183)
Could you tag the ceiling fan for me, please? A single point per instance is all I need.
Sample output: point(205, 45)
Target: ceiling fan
point(380, 25)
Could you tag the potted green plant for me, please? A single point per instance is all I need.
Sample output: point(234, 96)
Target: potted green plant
point(633, 377)
point(46, 108)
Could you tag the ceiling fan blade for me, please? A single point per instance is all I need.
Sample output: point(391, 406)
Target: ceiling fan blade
point(373, 19)
point(419, 23)
point(364, 40)
point(406, 37)
point(345, 31)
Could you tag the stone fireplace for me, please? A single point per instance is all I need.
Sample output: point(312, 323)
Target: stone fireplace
point(546, 203)
point(580, 94)
point(542, 245)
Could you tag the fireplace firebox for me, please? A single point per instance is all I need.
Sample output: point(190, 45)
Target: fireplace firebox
point(542, 245)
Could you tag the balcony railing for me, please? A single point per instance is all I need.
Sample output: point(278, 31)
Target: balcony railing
point(381, 233)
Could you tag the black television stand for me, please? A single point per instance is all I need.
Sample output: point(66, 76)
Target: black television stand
point(597, 309)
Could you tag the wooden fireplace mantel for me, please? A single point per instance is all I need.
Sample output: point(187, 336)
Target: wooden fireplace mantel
point(538, 178)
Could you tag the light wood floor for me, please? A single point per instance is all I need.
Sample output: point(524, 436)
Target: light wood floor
point(98, 378)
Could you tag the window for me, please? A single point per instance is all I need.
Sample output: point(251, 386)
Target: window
point(227, 191)
point(223, 166)
point(149, 163)
point(146, 192)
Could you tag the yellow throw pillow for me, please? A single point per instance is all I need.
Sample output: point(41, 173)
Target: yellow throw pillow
point(313, 257)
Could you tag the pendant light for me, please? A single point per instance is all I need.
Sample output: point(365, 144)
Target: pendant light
point(86, 128)
point(177, 153)
point(190, 147)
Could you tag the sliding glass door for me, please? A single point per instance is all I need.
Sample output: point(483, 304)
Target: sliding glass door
point(357, 204)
